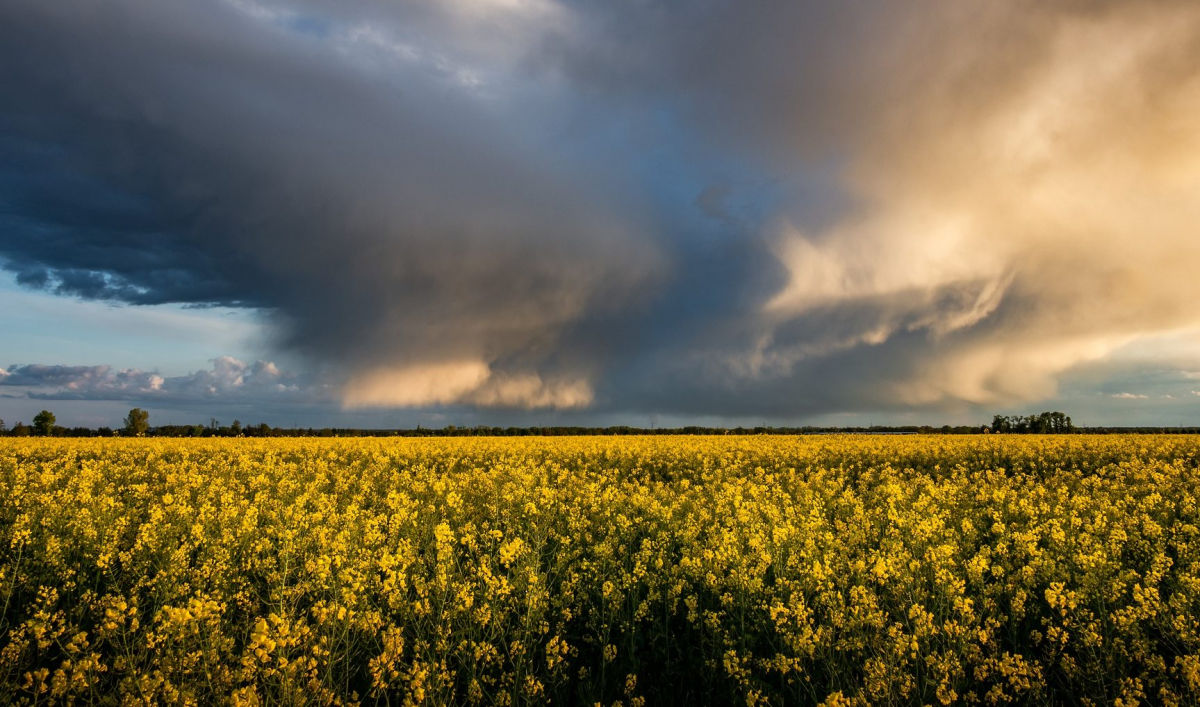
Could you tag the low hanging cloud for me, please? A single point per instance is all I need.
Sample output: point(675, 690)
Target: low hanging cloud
point(744, 209)
point(470, 382)
point(228, 379)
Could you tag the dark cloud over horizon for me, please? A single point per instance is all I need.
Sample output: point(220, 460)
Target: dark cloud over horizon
point(774, 209)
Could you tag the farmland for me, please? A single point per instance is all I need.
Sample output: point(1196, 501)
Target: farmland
point(633, 570)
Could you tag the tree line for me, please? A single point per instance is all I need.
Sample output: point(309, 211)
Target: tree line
point(137, 424)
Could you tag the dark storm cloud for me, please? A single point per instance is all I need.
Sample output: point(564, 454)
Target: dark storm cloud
point(383, 206)
point(742, 208)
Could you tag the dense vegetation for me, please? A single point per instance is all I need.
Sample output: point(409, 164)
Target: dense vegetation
point(1045, 423)
point(137, 424)
point(237, 429)
point(749, 570)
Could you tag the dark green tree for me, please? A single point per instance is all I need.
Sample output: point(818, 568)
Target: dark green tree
point(1043, 423)
point(137, 422)
point(43, 423)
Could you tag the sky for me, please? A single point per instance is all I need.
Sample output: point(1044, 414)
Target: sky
point(526, 212)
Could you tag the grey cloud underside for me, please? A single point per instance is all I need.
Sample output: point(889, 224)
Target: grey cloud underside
point(227, 380)
point(192, 156)
point(764, 208)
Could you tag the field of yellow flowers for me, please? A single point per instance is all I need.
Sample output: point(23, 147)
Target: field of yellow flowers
point(615, 570)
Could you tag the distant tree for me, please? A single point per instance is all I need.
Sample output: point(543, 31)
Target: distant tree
point(43, 423)
point(137, 422)
point(3, 429)
point(20, 429)
point(1042, 423)
point(236, 428)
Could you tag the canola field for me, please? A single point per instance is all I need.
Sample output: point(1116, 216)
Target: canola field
point(839, 570)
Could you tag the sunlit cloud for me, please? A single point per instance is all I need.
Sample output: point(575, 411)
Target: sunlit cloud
point(463, 382)
point(1043, 219)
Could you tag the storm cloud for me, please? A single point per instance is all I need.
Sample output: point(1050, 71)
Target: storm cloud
point(738, 209)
